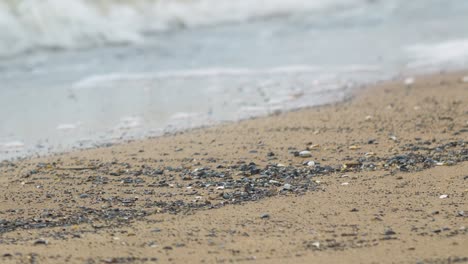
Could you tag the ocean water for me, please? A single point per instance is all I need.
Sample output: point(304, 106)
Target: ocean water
point(83, 73)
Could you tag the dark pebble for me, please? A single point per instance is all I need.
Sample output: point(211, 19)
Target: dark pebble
point(265, 216)
point(41, 242)
point(389, 232)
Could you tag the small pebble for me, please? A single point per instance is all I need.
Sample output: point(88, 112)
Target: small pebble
point(41, 241)
point(443, 196)
point(389, 232)
point(287, 187)
point(409, 81)
point(305, 154)
point(265, 216)
point(316, 244)
point(311, 163)
point(313, 146)
point(345, 183)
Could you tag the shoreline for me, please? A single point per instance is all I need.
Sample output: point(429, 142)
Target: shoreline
point(384, 172)
point(350, 93)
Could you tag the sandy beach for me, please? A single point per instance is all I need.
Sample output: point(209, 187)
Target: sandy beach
point(380, 178)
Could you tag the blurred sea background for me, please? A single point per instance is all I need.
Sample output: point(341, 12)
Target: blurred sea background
point(85, 73)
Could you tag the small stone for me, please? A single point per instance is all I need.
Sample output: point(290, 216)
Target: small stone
point(41, 241)
point(287, 187)
point(389, 232)
point(354, 147)
point(443, 196)
point(265, 216)
point(354, 210)
point(305, 154)
point(84, 195)
point(461, 213)
point(311, 163)
point(409, 81)
point(345, 183)
point(313, 146)
point(368, 118)
point(316, 245)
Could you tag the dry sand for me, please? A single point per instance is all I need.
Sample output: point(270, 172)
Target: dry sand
point(389, 185)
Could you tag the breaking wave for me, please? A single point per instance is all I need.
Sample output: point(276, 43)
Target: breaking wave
point(27, 25)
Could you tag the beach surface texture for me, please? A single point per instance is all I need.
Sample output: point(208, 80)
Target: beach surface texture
point(380, 178)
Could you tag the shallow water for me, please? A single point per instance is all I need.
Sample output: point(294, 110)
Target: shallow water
point(201, 62)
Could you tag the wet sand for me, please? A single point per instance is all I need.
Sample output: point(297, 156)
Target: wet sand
point(381, 178)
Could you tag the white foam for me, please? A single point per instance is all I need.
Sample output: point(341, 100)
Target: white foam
point(452, 52)
point(129, 122)
point(67, 126)
point(102, 80)
point(185, 116)
point(29, 24)
point(12, 145)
